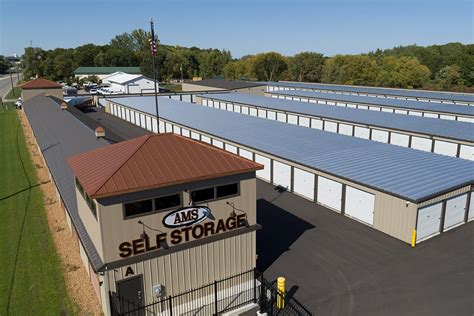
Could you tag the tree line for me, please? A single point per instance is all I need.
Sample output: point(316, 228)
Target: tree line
point(448, 67)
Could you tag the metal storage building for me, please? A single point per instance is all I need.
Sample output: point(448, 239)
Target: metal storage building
point(416, 108)
point(455, 139)
point(391, 188)
point(389, 93)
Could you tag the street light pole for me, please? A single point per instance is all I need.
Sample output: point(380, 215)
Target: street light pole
point(153, 54)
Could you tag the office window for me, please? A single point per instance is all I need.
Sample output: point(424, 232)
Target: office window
point(168, 201)
point(227, 190)
point(139, 207)
point(202, 195)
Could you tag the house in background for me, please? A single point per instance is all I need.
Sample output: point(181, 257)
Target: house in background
point(129, 83)
point(102, 72)
point(39, 86)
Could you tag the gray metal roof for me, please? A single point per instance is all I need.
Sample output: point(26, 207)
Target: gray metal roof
point(60, 135)
point(226, 84)
point(460, 97)
point(464, 110)
point(410, 174)
point(430, 126)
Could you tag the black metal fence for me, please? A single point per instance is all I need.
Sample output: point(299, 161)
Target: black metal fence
point(216, 298)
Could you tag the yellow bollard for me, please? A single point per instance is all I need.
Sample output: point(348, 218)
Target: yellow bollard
point(281, 291)
point(413, 238)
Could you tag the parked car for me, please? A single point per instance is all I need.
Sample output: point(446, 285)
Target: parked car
point(93, 90)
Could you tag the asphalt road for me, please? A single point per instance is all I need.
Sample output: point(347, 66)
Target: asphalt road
point(5, 84)
point(346, 268)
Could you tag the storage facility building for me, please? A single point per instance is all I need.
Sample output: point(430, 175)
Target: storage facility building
point(37, 86)
point(455, 139)
point(452, 112)
point(129, 83)
point(389, 93)
point(102, 72)
point(393, 189)
point(224, 85)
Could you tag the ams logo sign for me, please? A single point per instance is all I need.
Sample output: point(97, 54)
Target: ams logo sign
point(187, 216)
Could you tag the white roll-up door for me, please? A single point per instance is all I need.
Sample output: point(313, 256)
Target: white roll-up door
point(177, 130)
point(455, 211)
point(352, 106)
point(362, 107)
point(253, 111)
point(292, 119)
point(281, 174)
point(360, 205)
point(230, 107)
point(169, 127)
point(374, 108)
point(415, 113)
point(281, 117)
point(217, 143)
point(362, 132)
point(236, 108)
point(313, 101)
point(401, 111)
point(429, 221)
point(245, 110)
point(262, 113)
point(303, 121)
point(175, 97)
point(316, 124)
point(421, 143)
point(330, 126)
point(127, 112)
point(345, 129)
point(447, 117)
point(466, 152)
point(154, 125)
point(388, 110)
point(271, 115)
point(205, 139)
point(399, 139)
point(432, 115)
point(329, 193)
point(204, 102)
point(379, 136)
point(231, 148)
point(210, 103)
point(246, 154)
point(132, 117)
point(330, 103)
point(148, 123)
point(137, 118)
point(194, 135)
point(445, 148)
point(470, 216)
point(142, 121)
point(185, 132)
point(303, 183)
point(465, 119)
point(223, 106)
point(304, 100)
point(265, 172)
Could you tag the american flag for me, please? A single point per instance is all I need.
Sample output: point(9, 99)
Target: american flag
point(152, 46)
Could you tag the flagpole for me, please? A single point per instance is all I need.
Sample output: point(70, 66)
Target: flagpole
point(153, 53)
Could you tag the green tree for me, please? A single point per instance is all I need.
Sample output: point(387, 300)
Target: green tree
point(403, 72)
point(3, 65)
point(212, 62)
point(350, 69)
point(449, 77)
point(269, 66)
point(306, 66)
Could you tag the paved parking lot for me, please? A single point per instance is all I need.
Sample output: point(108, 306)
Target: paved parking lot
point(346, 268)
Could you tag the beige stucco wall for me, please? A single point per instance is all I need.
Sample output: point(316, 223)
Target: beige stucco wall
point(30, 93)
point(90, 223)
point(116, 229)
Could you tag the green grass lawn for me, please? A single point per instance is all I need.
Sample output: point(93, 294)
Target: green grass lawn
point(31, 279)
point(10, 93)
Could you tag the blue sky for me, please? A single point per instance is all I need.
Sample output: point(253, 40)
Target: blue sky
point(243, 27)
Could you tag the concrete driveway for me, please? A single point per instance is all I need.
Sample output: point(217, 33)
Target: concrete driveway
point(346, 268)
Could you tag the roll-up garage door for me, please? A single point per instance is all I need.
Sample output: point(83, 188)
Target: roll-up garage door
point(292, 119)
point(421, 143)
point(399, 139)
point(455, 211)
point(380, 136)
point(245, 110)
point(445, 148)
point(329, 193)
point(330, 126)
point(230, 107)
point(185, 132)
point(271, 115)
point(429, 220)
point(432, 115)
point(231, 148)
point(205, 139)
point(389, 110)
point(361, 132)
point(262, 113)
point(345, 129)
point(148, 123)
point(265, 172)
point(253, 111)
point(303, 183)
point(236, 108)
point(154, 125)
point(466, 152)
point(317, 124)
point(304, 121)
point(246, 154)
point(217, 143)
point(470, 216)
point(281, 174)
point(169, 127)
point(204, 102)
point(142, 121)
point(194, 135)
point(360, 205)
point(177, 129)
point(281, 117)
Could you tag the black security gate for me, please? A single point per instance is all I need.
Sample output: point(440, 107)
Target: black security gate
point(217, 298)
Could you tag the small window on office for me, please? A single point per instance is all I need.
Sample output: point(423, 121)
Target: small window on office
point(168, 201)
point(202, 195)
point(227, 190)
point(137, 208)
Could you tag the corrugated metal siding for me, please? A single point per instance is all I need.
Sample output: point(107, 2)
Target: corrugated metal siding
point(194, 267)
point(381, 91)
point(430, 126)
point(410, 174)
point(396, 103)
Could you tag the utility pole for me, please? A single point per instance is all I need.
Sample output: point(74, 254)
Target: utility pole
point(11, 80)
point(153, 54)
